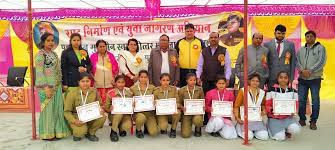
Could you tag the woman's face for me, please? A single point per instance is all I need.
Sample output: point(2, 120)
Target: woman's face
point(165, 81)
point(85, 83)
point(233, 25)
point(120, 83)
point(102, 48)
point(191, 81)
point(283, 79)
point(143, 78)
point(49, 43)
point(75, 42)
point(221, 85)
point(132, 46)
point(254, 82)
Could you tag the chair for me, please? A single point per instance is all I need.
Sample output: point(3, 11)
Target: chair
point(16, 76)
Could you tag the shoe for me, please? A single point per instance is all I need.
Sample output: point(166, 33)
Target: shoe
point(139, 134)
point(173, 134)
point(312, 125)
point(113, 136)
point(76, 138)
point(302, 122)
point(215, 134)
point(92, 138)
point(197, 132)
point(145, 130)
point(123, 133)
point(163, 132)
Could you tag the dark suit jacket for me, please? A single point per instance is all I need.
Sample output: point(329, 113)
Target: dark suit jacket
point(155, 66)
point(281, 66)
point(70, 65)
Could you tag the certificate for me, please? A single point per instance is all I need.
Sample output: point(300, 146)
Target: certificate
point(254, 113)
point(166, 106)
point(122, 105)
point(89, 112)
point(284, 106)
point(222, 108)
point(144, 103)
point(194, 106)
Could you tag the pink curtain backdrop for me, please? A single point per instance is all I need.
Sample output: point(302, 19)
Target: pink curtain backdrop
point(21, 30)
point(324, 26)
point(6, 59)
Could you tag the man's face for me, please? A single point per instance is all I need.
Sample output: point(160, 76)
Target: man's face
point(257, 39)
point(189, 33)
point(214, 39)
point(163, 42)
point(310, 39)
point(280, 35)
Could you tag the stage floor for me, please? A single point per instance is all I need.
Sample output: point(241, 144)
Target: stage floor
point(16, 134)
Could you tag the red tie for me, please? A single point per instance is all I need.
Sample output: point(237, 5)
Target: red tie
point(278, 48)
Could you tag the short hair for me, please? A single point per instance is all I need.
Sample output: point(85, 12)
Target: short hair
point(100, 41)
point(257, 33)
point(134, 40)
point(280, 72)
point(166, 36)
point(310, 32)
point(237, 17)
point(254, 75)
point(143, 71)
point(220, 77)
point(189, 75)
point(83, 75)
point(119, 77)
point(189, 26)
point(280, 28)
point(164, 75)
point(44, 38)
point(215, 33)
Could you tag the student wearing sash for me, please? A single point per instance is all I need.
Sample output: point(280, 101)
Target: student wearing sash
point(104, 69)
point(282, 126)
point(131, 61)
point(147, 118)
point(191, 91)
point(120, 122)
point(165, 91)
point(217, 125)
point(256, 98)
point(80, 96)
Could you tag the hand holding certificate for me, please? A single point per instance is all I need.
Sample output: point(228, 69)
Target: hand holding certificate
point(222, 108)
point(254, 113)
point(89, 112)
point(194, 106)
point(122, 105)
point(144, 103)
point(284, 106)
point(166, 106)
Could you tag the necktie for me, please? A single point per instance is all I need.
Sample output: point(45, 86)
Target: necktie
point(278, 48)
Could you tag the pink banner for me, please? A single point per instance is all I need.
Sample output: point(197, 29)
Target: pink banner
point(6, 59)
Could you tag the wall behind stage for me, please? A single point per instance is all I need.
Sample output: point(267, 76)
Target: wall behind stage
point(14, 36)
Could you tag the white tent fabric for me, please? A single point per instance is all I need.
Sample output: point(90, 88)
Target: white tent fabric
point(92, 4)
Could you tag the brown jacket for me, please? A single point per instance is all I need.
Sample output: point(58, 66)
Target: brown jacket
point(155, 66)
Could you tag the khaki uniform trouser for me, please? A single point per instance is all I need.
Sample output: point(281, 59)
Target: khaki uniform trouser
point(120, 121)
point(187, 122)
point(149, 120)
point(90, 127)
point(163, 121)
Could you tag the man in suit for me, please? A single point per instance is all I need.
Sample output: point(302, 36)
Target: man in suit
point(163, 59)
point(284, 52)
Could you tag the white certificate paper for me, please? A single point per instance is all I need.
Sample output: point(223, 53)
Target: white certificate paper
point(194, 106)
point(222, 108)
point(254, 113)
point(284, 106)
point(89, 112)
point(122, 105)
point(144, 103)
point(166, 106)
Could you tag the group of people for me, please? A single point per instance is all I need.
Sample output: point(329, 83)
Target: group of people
point(189, 71)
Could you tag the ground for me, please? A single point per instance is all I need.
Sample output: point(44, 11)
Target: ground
point(16, 135)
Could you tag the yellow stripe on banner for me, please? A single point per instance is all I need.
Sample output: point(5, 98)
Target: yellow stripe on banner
point(3, 27)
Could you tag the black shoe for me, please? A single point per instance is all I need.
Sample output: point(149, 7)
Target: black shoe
point(139, 134)
point(173, 134)
point(76, 138)
point(145, 130)
point(302, 122)
point(123, 133)
point(312, 125)
point(163, 132)
point(113, 136)
point(215, 134)
point(197, 132)
point(92, 138)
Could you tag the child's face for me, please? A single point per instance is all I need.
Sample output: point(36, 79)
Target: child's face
point(85, 83)
point(165, 81)
point(143, 78)
point(120, 83)
point(283, 79)
point(254, 82)
point(221, 85)
point(192, 81)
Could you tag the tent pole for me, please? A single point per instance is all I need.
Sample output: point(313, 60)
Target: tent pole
point(32, 77)
point(245, 69)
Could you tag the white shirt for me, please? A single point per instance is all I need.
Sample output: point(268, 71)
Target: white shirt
point(281, 47)
point(165, 63)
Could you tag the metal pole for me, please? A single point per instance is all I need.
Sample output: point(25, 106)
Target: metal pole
point(245, 69)
point(32, 77)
